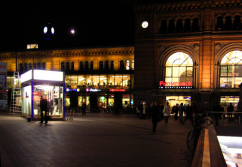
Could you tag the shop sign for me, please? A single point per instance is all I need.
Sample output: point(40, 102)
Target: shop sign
point(93, 90)
point(175, 85)
point(117, 90)
point(70, 89)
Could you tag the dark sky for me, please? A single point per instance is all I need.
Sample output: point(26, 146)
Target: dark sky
point(96, 24)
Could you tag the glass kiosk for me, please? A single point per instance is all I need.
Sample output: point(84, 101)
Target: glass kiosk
point(48, 84)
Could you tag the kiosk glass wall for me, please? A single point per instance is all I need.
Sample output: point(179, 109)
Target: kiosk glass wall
point(46, 84)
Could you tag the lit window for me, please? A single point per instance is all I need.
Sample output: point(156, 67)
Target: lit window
point(127, 65)
point(179, 68)
point(32, 46)
point(231, 70)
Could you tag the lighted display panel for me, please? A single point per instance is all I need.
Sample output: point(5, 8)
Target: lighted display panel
point(231, 70)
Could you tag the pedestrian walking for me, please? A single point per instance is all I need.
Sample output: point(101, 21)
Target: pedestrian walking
point(181, 109)
point(147, 110)
point(84, 108)
point(140, 108)
point(216, 108)
point(230, 109)
point(43, 108)
point(175, 111)
point(194, 112)
point(167, 111)
point(188, 113)
point(155, 116)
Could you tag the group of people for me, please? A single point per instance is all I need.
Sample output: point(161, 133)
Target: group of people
point(221, 111)
point(158, 112)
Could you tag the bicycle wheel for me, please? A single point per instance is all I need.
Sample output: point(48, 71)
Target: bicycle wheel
point(191, 139)
point(208, 121)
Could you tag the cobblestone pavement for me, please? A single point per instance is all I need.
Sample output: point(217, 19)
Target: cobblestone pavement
point(102, 140)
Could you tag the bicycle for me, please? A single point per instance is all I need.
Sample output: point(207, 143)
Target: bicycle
point(194, 133)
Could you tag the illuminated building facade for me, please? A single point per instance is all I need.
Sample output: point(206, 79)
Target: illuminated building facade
point(188, 52)
point(102, 77)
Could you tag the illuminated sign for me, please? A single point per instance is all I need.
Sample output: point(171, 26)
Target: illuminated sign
point(117, 90)
point(175, 85)
point(70, 89)
point(93, 90)
point(43, 75)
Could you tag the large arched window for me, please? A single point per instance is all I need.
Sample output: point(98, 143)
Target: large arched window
point(179, 69)
point(231, 70)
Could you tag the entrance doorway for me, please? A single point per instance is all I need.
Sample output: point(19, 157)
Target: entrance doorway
point(173, 100)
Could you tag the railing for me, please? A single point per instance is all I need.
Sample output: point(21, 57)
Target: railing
point(236, 117)
point(208, 152)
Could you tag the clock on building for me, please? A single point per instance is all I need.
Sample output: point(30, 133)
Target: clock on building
point(145, 24)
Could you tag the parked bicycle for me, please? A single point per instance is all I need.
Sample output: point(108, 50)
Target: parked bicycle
point(199, 123)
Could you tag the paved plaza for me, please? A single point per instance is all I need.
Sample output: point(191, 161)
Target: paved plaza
point(94, 140)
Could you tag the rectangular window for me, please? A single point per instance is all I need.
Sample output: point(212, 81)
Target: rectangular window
point(127, 65)
point(132, 65)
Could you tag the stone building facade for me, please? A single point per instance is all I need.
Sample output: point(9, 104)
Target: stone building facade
point(98, 76)
point(188, 52)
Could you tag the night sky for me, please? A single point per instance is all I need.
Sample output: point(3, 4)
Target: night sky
point(96, 24)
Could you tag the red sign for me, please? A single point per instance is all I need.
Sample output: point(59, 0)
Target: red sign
point(117, 90)
point(162, 83)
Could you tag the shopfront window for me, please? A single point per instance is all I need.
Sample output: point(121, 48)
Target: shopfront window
point(231, 70)
point(110, 81)
point(89, 80)
point(54, 97)
point(179, 68)
point(103, 81)
point(226, 100)
point(71, 81)
point(81, 80)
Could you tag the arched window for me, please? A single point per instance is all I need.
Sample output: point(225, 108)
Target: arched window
point(121, 65)
point(179, 69)
point(195, 25)
point(237, 23)
point(112, 65)
point(171, 26)
point(187, 26)
point(62, 66)
point(67, 66)
point(106, 65)
point(228, 23)
point(179, 26)
point(86, 65)
point(163, 28)
point(81, 65)
point(231, 70)
point(100, 65)
point(72, 66)
point(91, 65)
point(219, 23)
point(43, 65)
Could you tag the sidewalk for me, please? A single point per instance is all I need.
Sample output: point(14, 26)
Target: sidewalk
point(101, 140)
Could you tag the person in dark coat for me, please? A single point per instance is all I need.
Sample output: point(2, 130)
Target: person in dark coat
point(154, 115)
point(84, 108)
point(43, 108)
point(230, 109)
point(216, 108)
